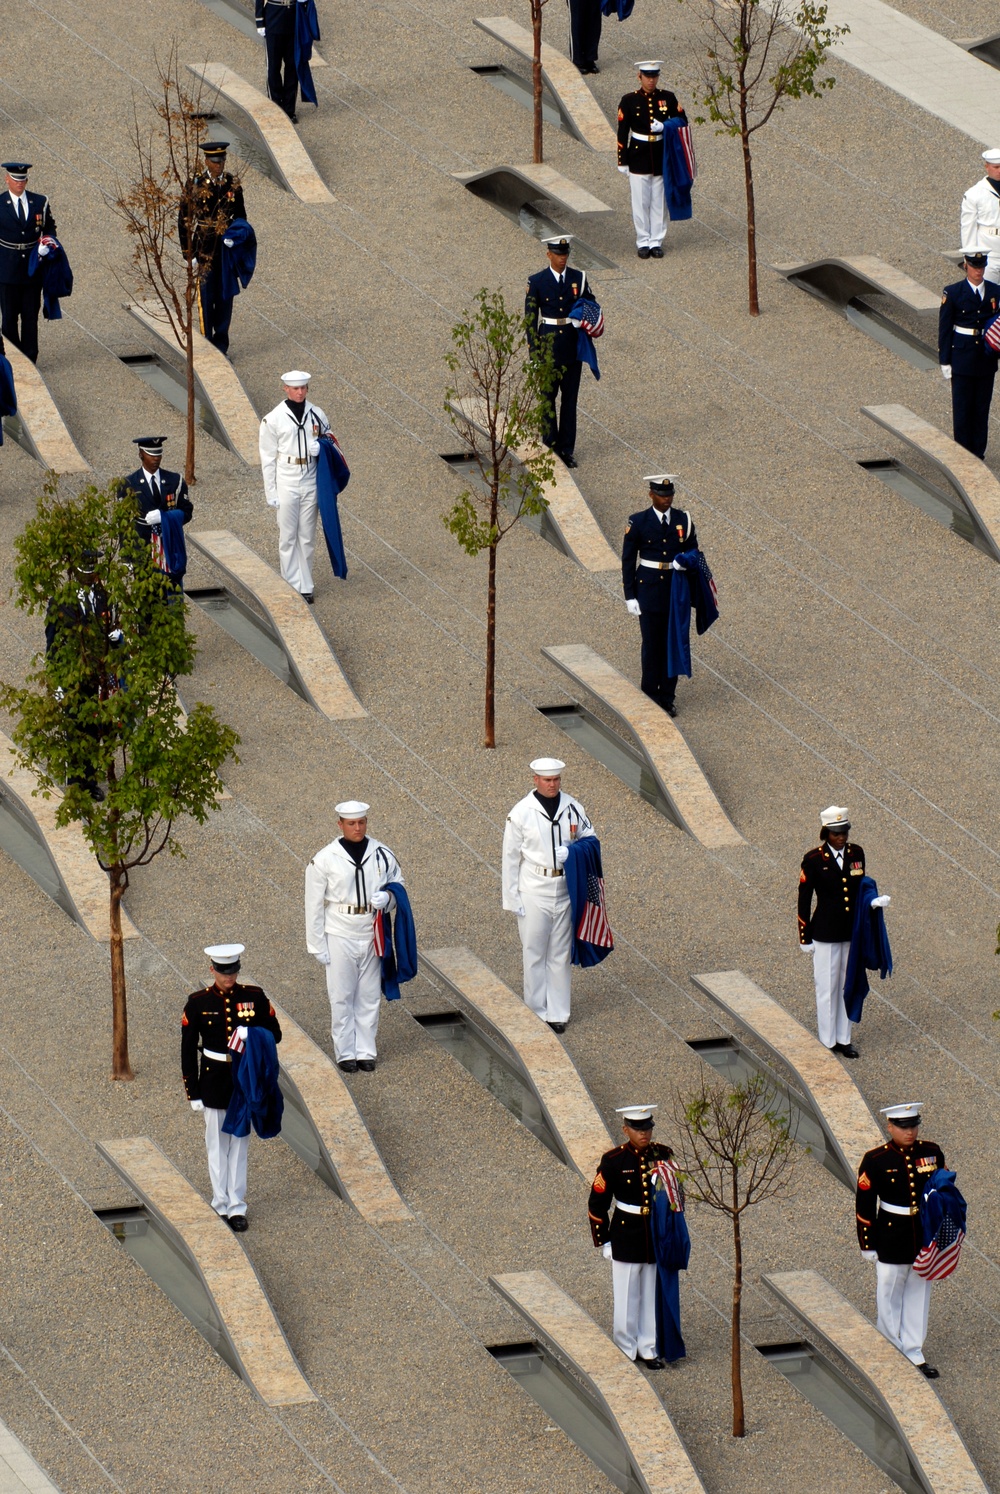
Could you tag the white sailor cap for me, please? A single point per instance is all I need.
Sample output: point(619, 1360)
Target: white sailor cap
point(296, 378)
point(992, 156)
point(353, 809)
point(547, 767)
point(910, 1112)
point(649, 66)
point(835, 817)
point(633, 1114)
point(225, 957)
point(559, 242)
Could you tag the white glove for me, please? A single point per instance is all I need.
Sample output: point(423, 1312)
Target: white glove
point(323, 956)
point(623, 170)
point(675, 565)
point(43, 250)
point(946, 370)
point(606, 1251)
point(197, 1104)
point(116, 635)
point(194, 264)
point(869, 1255)
point(272, 503)
point(881, 902)
point(656, 128)
point(59, 693)
point(380, 899)
point(575, 322)
point(633, 607)
point(562, 855)
point(312, 446)
point(228, 243)
point(519, 910)
point(807, 948)
point(154, 516)
point(241, 1033)
point(261, 31)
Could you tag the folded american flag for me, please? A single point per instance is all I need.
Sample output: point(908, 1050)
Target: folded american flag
point(687, 146)
point(378, 931)
point(593, 927)
point(588, 313)
point(991, 335)
point(236, 1043)
point(669, 1175)
point(939, 1259)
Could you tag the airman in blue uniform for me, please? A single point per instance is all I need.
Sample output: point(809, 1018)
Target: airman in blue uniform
point(547, 304)
point(25, 221)
point(653, 540)
point(966, 360)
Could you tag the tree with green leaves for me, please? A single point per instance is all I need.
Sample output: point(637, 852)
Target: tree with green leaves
point(737, 1152)
point(100, 705)
point(759, 53)
point(498, 406)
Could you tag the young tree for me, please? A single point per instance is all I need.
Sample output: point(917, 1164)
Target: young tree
point(536, 77)
point(737, 1153)
point(100, 704)
point(155, 206)
point(499, 412)
point(759, 53)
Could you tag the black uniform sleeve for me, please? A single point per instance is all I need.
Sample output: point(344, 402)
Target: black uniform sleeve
point(866, 1200)
point(189, 1052)
point(183, 502)
point(946, 323)
point(630, 553)
point(599, 1206)
point(239, 206)
point(805, 903)
point(265, 1017)
point(48, 222)
point(623, 129)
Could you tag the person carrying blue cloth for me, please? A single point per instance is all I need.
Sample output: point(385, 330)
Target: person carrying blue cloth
point(164, 507)
point(655, 539)
point(257, 1099)
point(212, 201)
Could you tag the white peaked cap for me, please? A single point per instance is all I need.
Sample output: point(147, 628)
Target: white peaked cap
point(661, 477)
point(296, 378)
point(636, 1112)
point(992, 157)
point(903, 1112)
point(353, 809)
point(651, 65)
point(558, 238)
point(835, 814)
point(224, 954)
point(547, 767)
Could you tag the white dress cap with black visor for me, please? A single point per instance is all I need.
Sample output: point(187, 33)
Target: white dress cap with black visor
point(225, 958)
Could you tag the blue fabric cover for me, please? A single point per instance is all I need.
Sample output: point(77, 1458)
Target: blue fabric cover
point(941, 1198)
point(620, 8)
point(57, 278)
point(583, 862)
point(677, 179)
point(306, 32)
point(586, 307)
point(236, 265)
point(869, 949)
point(8, 395)
point(672, 1248)
point(399, 963)
point(172, 535)
point(256, 1096)
point(332, 476)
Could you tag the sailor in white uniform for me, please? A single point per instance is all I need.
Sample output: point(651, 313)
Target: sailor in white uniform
point(536, 841)
point(344, 890)
point(289, 447)
point(979, 218)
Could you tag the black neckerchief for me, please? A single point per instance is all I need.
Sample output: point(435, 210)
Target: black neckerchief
point(549, 803)
point(355, 849)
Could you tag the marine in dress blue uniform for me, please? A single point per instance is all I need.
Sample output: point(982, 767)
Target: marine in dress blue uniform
point(547, 304)
point(211, 1017)
point(891, 1181)
point(155, 489)
point(970, 363)
point(25, 218)
point(641, 118)
point(276, 24)
point(653, 540)
point(213, 199)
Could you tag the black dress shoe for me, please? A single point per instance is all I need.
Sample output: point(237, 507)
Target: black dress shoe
point(656, 252)
point(669, 707)
point(238, 1223)
point(347, 1065)
point(847, 1049)
point(366, 1065)
point(558, 1026)
point(643, 253)
point(651, 1364)
point(928, 1371)
point(568, 459)
point(307, 596)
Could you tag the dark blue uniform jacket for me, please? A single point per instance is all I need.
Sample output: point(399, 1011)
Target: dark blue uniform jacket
point(649, 538)
point(546, 297)
point(961, 321)
point(17, 238)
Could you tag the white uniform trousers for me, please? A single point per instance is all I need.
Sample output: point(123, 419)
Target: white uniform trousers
point(354, 986)
point(297, 528)
point(830, 972)
point(227, 1165)
point(649, 212)
point(546, 930)
point(635, 1308)
point(903, 1299)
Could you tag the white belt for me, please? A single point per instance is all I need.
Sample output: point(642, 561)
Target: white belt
point(657, 565)
point(219, 1057)
point(563, 321)
point(644, 138)
point(353, 908)
point(630, 1208)
point(965, 331)
point(547, 871)
point(896, 1209)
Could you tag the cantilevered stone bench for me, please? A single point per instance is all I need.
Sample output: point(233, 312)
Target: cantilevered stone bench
point(848, 1125)
point(687, 790)
point(539, 180)
point(859, 275)
point(909, 1400)
point(577, 528)
point(84, 886)
point(569, 1111)
point(309, 655)
point(218, 384)
point(659, 1458)
point(577, 104)
point(44, 428)
point(254, 1334)
point(972, 479)
point(345, 1142)
point(276, 131)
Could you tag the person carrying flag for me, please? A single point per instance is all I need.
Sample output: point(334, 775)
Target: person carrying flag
point(642, 118)
point(536, 842)
point(891, 1183)
point(213, 199)
point(345, 896)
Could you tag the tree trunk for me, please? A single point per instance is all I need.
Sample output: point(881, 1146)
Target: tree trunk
point(491, 649)
point(189, 369)
point(120, 1066)
point(536, 79)
point(739, 1422)
point(751, 212)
